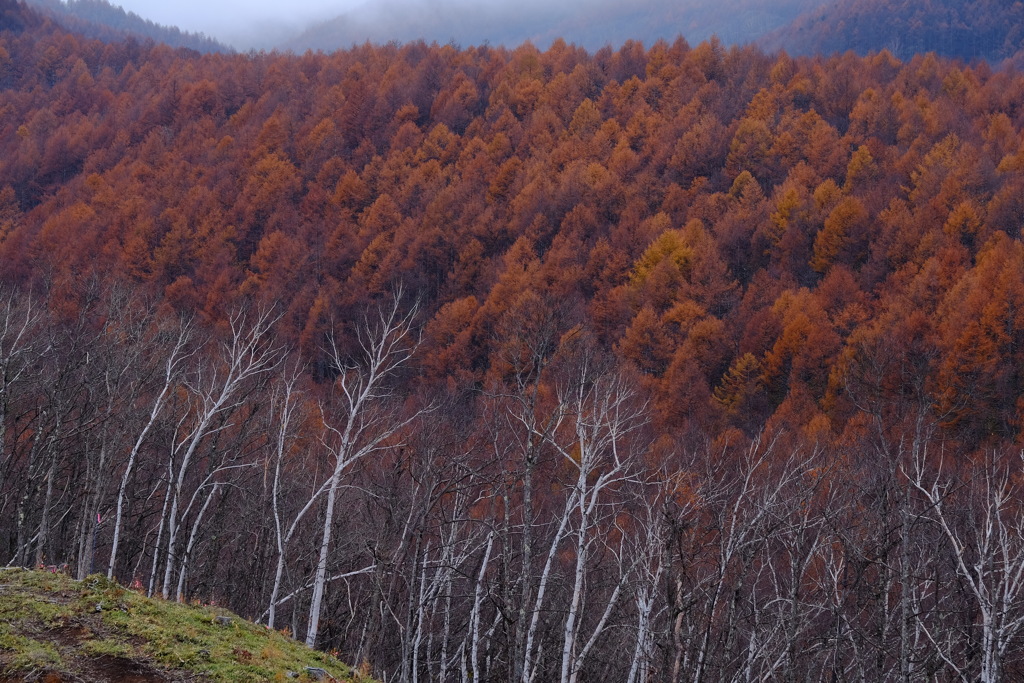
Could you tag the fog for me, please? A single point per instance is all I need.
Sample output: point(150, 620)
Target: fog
point(262, 23)
point(220, 15)
point(328, 24)
point(242, 23)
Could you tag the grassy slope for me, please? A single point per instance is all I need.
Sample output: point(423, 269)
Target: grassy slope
point(54, 628)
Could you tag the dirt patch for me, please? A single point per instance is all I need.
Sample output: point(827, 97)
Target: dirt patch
point(108, 668)
point(102, 669)
point(79, 666)
point(68, 636)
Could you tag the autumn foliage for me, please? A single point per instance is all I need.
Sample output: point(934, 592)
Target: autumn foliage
point(822, 254)
point(716, 216)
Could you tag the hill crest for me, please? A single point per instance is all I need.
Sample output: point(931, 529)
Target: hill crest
point(97, 630)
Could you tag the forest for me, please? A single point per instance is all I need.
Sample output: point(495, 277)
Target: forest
point(103, 21)
point(655, 363)
point(966, 29)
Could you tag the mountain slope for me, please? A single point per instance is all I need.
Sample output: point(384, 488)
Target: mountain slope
point(825, 252)
point(104, 21)
point(60, 629)
point(15, 17)
point(975, 29)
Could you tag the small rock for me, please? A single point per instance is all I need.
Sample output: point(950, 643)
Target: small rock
point(99, 607)
point(223, 621)
point(316, 672)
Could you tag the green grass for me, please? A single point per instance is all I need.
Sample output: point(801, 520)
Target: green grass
point(49, 622)
point(29, 654)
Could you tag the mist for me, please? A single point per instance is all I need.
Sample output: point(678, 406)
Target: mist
point(242, 23)
point(332, 24)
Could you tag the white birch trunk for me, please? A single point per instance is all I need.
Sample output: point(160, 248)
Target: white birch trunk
point(246, 356)
point(172, 368)
point(386, 346)
point(474, 619)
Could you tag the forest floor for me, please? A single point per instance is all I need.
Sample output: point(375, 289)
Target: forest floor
point(57, 630)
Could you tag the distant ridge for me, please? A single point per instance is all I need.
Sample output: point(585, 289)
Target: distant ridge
point(602, 23)
point(991, 30)
point(103, 21)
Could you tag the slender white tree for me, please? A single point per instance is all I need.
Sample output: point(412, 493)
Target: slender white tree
point(20, 343)
point(173, 366)
point(982, 520)
point(734, 518)
point(649, 547)
point(605, 413)
point(591, 428)
point(217, 392)
point(362, 419)
point(285, 407)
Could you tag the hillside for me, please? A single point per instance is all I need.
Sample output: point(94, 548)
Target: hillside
point(662, 361)
point(973, 29)
point(101, 20)
point(55, 629)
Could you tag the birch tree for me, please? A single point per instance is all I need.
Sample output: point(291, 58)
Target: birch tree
point(123, 362)
point(737, 505)
point(20, 344)
point(530, 331)
point(650, 547)
point(982, 520)
point(287, 416)
point(177, 353)
point(62, 419)
point(596, 416)
point(361, 418)
point(217, 391)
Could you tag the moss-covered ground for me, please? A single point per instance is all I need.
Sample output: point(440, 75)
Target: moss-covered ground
point(54, 629)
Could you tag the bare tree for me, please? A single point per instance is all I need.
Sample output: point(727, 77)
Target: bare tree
point(982, 520)
point(607, 412)
point(793, 608)
point(361, 419)
point(20, 344)
point(63, 417)
point(530, 330)
point(176, 354)
point(287, 417)
point(649, 546)
point(721, 552)
point(596, 416)
point(218, 391)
